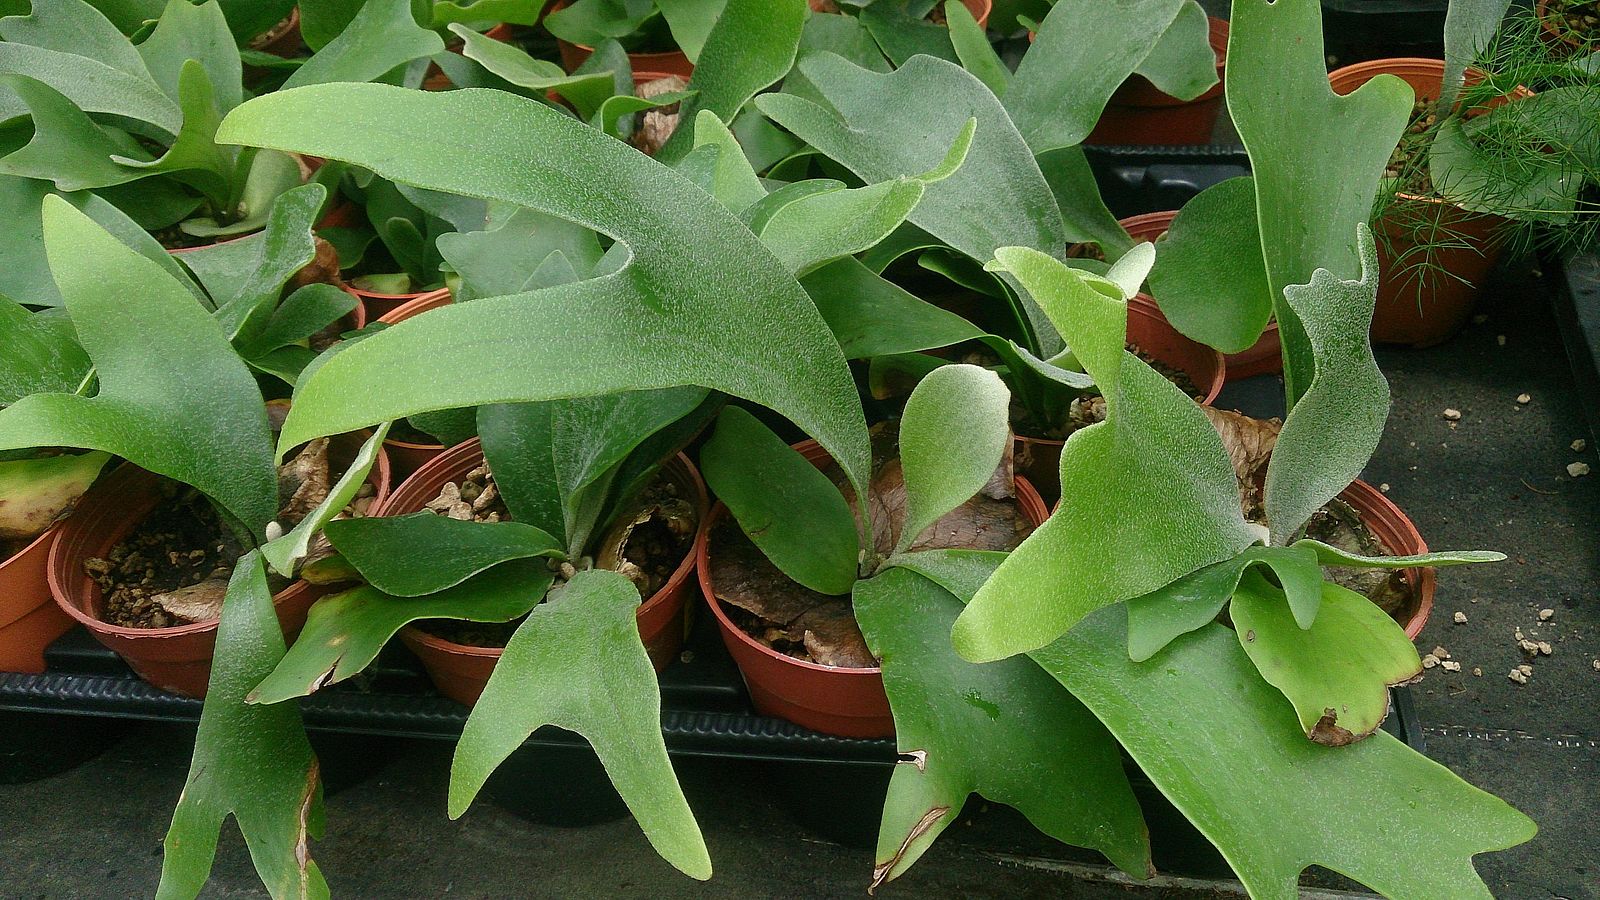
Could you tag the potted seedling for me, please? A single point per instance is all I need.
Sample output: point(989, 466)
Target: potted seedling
point(148, 341)
point(1486, 166)
point(1281, 702)
point(780, 570)
point(534, 542)
point(144, 564)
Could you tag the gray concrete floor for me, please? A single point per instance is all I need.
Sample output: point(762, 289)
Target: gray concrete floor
point(1495, 480)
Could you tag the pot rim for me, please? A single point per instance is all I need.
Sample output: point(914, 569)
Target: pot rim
point(1029, 503)
point(1359, 73)
point(49, 534)
point(470, 451)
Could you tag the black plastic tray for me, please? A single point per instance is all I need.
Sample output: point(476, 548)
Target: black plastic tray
point(1356, 30)
point(1135, 180)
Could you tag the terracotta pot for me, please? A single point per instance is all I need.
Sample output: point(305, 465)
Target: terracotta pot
point(283, 39)
point(436, 80)
point(1422, 306)
point(1040, 458)
point(670, 62)
point(407, 456)
point(980, 9)
point(1264, 357)
point(1399, 537)
point(460, 671)
point(1140, 115)
point(1555, 34)
point(29, 621)
point(178, 658)
point(830, 699)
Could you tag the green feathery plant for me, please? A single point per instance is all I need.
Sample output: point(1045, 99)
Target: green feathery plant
point(1489, 148)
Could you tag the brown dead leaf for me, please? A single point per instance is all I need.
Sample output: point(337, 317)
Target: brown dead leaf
point(832, 636)
point(745, 578)
point(323, 268)
point(991, 520)
point(656, 125)
point(1249, 444)
point(303, 483)
point(197, 602)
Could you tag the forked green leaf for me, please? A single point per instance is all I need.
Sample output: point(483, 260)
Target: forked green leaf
point(998, 198)
point(821, 227)
point(783, 503)
point(384, 549)
point(578, 663)
point(1084, 50)
point(382, 37)
point(1222, 745)
point(1193, 601)
point(1337, 673)
point(1333, 429)
point(1316, 156)
point(1148, 495)
point(198, 33)
point(675, 315)
point(953, 434)
point(1182, 63)
point(174, 397)
point(344, 632)
point(1004, 730)
point(251, 762)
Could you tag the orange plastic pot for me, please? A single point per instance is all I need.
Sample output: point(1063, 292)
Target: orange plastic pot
point(436, 80)
point(830, 699)
point(29, 620)
point(1265, 356)
point(1139, 114)
point(460, 671)
point(407, 456)
point(1040, 458)
point(1424, 305)
point(670, 62)
point(1399, 537)
point(176, 659)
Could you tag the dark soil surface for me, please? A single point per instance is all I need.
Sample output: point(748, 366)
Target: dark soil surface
point(175, 238)
point(647, 547)
point(1176, 376)
point(181, 543)
point(1578, 19)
